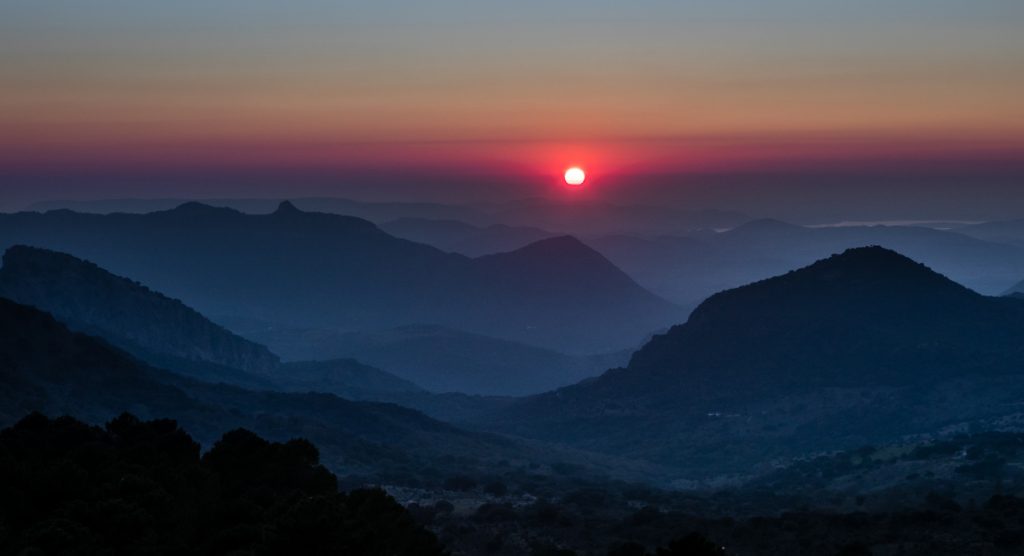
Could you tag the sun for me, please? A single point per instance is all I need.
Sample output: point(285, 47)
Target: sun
point(575, 176)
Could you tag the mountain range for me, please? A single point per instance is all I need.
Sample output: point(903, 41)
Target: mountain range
point(579, 217)
point(687, 268)
point(167, 334)
point(863, 346)
point(327, 271)
point(53, 370)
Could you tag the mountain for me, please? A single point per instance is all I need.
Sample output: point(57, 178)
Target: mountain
point(53, 370)
point(863, 346)
point(687, 269)
point(440, 359)
point(459, 237)
point(156, 328)
point(317, 270)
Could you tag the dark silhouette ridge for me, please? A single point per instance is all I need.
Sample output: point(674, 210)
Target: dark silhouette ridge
point(321, 270)
point(868, 343)
point(844, 319)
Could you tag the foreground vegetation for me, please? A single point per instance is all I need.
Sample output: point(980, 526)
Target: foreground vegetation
point(138, 487)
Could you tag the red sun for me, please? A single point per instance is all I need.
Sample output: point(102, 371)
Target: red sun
point(575, 176)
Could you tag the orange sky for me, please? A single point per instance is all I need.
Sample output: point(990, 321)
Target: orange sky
point(652, 85)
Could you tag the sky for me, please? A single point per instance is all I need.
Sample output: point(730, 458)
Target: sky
point(259, 97)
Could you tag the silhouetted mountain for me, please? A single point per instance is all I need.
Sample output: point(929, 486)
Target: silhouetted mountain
point(688, 269)
point(860, 346)
point(158, 329)
point(138, 487)
point(459, 237)
point(329, 271)
point(440, 359)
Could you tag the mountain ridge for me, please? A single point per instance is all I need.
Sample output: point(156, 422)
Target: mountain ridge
point(331, 271)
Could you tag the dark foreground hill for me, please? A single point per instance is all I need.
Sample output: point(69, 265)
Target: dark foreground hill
point(328, 271)
point(863, 346)
point(137, 487)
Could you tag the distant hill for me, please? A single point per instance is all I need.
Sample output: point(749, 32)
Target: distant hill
point(459, 237)
point(687, 269)
point(440, 359)
point(861, 346)
point(328, 271)
point(159, 329)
